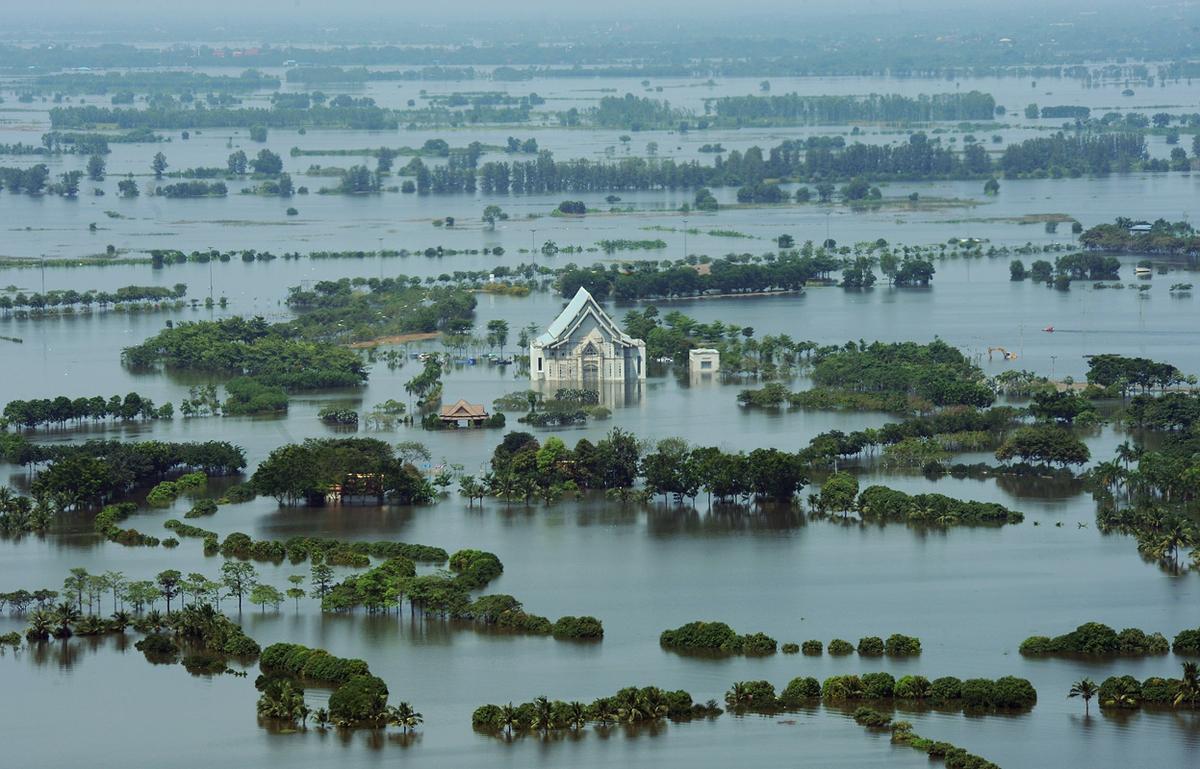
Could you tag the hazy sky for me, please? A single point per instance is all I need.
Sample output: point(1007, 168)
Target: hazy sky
point(356, 12)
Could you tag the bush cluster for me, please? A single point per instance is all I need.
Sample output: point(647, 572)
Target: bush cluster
point(630, 705)
point(1095, 639)
point(715, 637)
point(976, 694)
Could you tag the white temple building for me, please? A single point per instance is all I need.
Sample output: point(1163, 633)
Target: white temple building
point(584, 344)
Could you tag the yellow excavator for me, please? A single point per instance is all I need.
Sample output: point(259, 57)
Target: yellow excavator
point(1007, 355)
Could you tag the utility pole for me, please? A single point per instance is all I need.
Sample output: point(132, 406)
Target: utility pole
point(532, 240)
point(685, 239)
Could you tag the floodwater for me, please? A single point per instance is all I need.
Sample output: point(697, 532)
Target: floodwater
point(971, 595)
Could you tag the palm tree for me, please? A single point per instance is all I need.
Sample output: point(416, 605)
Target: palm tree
point(629, 706)
point(1189, 685)
point(577, 714)
point(508, 717)
point(1173, 539)
point(542, 714)
point(404, 716)
point(64, 615)
point(1085, 688)
point(738, 695)
point(41, 622)
point(603, 710)
point(321, 716)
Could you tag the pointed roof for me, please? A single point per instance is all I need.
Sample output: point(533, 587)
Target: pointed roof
point(576, 310)
point(464, 410)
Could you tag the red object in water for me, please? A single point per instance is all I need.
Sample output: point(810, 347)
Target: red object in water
point(1049, 329)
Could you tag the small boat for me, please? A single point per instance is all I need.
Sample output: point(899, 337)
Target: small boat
point(1049, 329)
point(1142, 271)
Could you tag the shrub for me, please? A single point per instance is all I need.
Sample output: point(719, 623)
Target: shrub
point(533, 624)
point(878, 686)
point(702, 636)
point(1096, 640)
point(588, 628)
point(842, 688)
point(799, 691)
point(913, 688)
point(790, 648)
point(201, 508)
point(1187, 642)
point(1159, 691)
point(839, 648)
point(901, 645)
point(10, 639)
point(758, 644)
point(871, 719)
point(752, 695)
point(870, 646)
point(811, 647)
point(362, 698)
point(1133, 641)
point(158, 644)
point(945, 689)
point(1012, 692)
point(978, 693)
point(488, 718)
point(1123, 692)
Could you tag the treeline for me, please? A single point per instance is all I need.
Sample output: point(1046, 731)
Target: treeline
point(350, 310)
point(1074, 154)
point(40, 412)
point(365, 118)
point(1095, 639)
point(155, 81)
point(936, 373)
point(816, 159)
point(97, 472)
point(271, 354)
point(973, 695)
point(1163, 238)
point(343, 467)
point(790, 270)
point(321, 550)
point(817, 110)
point(192, 189)
point(631, 705)
point(71, 297)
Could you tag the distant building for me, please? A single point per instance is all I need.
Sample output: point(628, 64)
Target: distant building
point(704, 360)
point(1141, 228)
point(583, 344)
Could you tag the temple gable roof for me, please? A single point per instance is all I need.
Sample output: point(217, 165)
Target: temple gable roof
point(582, 306)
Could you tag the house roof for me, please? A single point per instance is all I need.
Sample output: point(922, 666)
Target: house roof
point(463, 410)
point(580, 305)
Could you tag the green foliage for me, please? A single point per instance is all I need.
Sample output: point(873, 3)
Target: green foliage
point(1094, 639)
point(361, 699)
point(352, 466)
point(936, 372)
point(584, 628)
point(812, 647)
point(800, 691)
point(839, 647)
point(898, 645)
point(267, 353)
point(871, 646)
point(1187, 642)
point(715, 637)
point(1045, 444)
